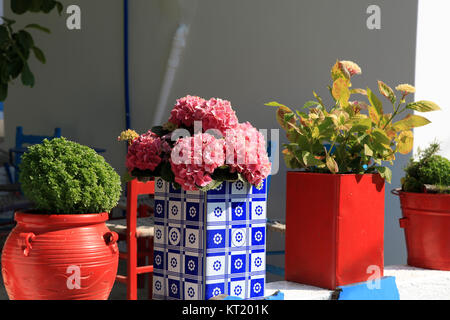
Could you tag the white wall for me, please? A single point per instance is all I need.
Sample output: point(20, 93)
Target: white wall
point(432, 70)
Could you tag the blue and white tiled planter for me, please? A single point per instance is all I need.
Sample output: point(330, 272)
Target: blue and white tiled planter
point(209, 243)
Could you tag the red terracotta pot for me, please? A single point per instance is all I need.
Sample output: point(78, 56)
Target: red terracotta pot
point(426, 221)
point(334, 228)
point(60, 257)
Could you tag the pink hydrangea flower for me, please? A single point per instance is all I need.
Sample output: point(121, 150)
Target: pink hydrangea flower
point(218, 114)
point(184, 110)
point(213, 114)
point(194, 159)
point(246, 153)
point(144, 153)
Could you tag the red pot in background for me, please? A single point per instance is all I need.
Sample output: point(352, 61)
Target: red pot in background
point(426, 221)
point(60, 257)
point(334, 228)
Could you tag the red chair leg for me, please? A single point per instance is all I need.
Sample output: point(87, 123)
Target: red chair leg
point(132, 242)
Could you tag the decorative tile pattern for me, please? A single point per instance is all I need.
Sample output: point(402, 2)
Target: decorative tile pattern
point(210, 243)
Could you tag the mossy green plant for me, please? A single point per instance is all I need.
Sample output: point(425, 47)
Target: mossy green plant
point(64, 177)
point(430, 172)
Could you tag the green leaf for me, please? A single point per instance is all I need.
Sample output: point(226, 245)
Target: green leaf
point(4, 35)
point(339, 71)
point(15, 67)
point(4, 72)
point(274, 104)
point(387, 91)
point(159, 131)
point(341, 92)
point(20, 6)
point(360, 124)
point(35, 5)
point(27, 76)
point(3, 91)
point(423, 106)
point(310, 161)
point(368, 151)
point(224, 174)
point(25, 40)
point(409, 122)
point(59, 7)
point(302, 142)
point(405, 142)
point(288, 117)
point(309, 104)
point(212, 185)
point(301, 114)
point(166, 172)
point(326, 127)
point(281, 114)
point(8, 22)
point(290, 160)
point(38, 27)
point(332, 165)
point(375, 102)
point(385, 173)
point(381, 136)
point(319, 99)
point(358, 91)
point(48, 5)
point(241, 177)
point(39, 54)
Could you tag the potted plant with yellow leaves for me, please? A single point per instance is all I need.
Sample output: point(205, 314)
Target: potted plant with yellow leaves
point(335, 200)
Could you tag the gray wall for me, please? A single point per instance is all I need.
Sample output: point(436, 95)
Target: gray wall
point(80, 88)
point(249, 52)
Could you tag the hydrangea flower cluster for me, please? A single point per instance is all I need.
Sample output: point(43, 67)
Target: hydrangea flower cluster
point(203, 160)
point(214, 113)
point(194, 160)
point(144, 152)
point(250, 156)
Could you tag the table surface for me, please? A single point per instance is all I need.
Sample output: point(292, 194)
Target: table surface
point(412, 283)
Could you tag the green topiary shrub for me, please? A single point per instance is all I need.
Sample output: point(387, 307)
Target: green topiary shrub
point(430, 171)
point(64, 177)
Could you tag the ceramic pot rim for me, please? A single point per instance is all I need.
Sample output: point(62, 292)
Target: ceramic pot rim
point(59, 219)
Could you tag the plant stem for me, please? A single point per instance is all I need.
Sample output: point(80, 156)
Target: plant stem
point(396, 112)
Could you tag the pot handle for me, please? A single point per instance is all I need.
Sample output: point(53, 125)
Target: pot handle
point(111, 238)
point(403, 222)
point(26, 240)
point(396, 191)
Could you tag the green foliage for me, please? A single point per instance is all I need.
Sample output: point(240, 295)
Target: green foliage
point(350, 136)
point(22, 6)
point(430, 172)
point(16, 46)
point(64, 177)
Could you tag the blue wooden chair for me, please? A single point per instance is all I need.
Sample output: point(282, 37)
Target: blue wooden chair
point(22, 143)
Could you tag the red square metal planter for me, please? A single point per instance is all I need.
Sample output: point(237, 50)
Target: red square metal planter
point(334, 228)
